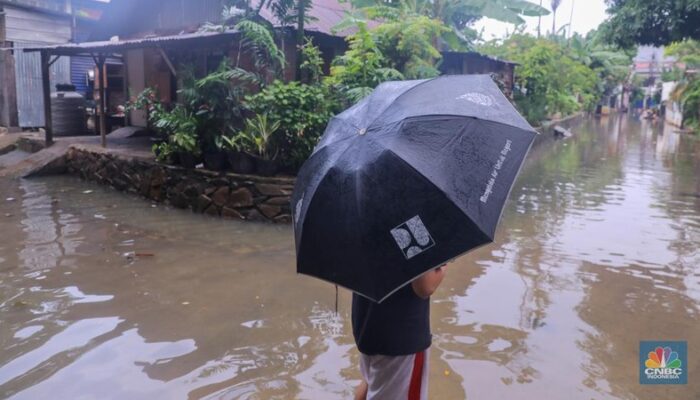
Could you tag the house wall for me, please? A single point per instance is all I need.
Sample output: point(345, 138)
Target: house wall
point(23, 106)
point(136, 80)
point(22, 25)
point(674, 113)
point(79, 67)
point(8, 94)
point(157, 75)
point(28, 83)
point(54, 6)
point(473, 63)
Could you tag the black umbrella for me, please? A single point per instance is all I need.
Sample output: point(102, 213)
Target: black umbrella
point(412, 176)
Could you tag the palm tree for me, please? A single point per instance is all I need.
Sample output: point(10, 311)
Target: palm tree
point(555, 5)
point(539, 22)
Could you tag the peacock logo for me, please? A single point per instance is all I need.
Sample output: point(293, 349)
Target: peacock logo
point(663, 357)
point(661, 362)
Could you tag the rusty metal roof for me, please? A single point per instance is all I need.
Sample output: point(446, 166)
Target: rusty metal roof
point(199, 39)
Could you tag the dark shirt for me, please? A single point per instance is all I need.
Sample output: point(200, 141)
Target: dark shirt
point(398, 326)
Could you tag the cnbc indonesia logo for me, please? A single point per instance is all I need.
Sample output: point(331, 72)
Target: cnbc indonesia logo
point(663, 363)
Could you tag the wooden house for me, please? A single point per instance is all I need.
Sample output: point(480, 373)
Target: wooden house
point(29, 23)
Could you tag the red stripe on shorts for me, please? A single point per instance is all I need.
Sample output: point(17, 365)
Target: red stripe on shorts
point(416, 377)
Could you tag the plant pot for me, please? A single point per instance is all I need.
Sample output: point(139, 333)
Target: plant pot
point(187, 160)
point(215, 161)
point(265, 167)
point(241, 162)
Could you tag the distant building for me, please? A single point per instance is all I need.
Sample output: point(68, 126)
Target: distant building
point(27, 23)
point(650, 62)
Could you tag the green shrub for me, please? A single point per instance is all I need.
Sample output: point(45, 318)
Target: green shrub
point(560, 76)
point(302, 111)
point(691, 105)
point(361, 68)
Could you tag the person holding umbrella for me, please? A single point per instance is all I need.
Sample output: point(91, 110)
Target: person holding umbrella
point(393, 338)
point(412, 176)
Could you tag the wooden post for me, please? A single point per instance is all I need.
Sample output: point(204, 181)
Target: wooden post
point(103, 100)
point(46, 86)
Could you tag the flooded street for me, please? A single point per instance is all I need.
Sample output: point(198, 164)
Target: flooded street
point(106, 296)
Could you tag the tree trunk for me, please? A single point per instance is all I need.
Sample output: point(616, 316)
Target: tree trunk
point(301, 11)
point(539, 22)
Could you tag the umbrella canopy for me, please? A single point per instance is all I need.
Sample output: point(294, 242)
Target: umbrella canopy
point(412, 176)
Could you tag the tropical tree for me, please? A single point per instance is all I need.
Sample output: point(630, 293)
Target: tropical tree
point(687, 90)
point(554, 77)
point(686, 51)
point(407, 41)
point(612, 65)
point(294, 13)
point(460, 15)
point(658, 22)
point(555, 4)
point(363, 66)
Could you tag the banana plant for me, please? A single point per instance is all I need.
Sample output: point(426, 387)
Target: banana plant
point(458, 15)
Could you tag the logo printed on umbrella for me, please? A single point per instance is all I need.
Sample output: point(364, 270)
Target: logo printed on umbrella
point(478, 98)
point(412, 237)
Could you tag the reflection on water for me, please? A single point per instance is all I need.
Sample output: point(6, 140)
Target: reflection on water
point(105, 296)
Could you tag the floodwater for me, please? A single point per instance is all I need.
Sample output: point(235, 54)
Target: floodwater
point(106, 296)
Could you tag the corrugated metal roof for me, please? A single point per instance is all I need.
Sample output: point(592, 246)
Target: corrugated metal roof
point(186, 39)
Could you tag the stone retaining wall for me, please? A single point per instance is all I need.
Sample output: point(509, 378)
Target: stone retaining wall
point(219, 194)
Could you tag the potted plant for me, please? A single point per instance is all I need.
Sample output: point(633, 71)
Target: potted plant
point(240, 161)
point(181, 127)
point(187, 148)
point(257, 135)
point(165, 152)
point(214, 156)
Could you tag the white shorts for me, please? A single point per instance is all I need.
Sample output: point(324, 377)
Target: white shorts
point(396, 377)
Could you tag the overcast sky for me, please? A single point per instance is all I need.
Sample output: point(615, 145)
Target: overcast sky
point(588, 14)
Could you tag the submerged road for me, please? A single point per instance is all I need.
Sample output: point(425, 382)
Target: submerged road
point(103, 295)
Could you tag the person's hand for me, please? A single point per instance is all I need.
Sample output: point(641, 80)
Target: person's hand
point(425, 285)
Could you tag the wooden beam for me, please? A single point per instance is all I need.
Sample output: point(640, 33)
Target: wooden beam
point(167, 61)
point(8, 89)
point(46, 89)
point(54, 60)
point(103, 98)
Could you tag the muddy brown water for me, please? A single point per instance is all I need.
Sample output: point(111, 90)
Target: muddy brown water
point(103, 295)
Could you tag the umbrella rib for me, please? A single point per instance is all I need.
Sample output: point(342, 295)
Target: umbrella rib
point(432, 183)
point(339, 140)
point(371, 124)
point(302, 217)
